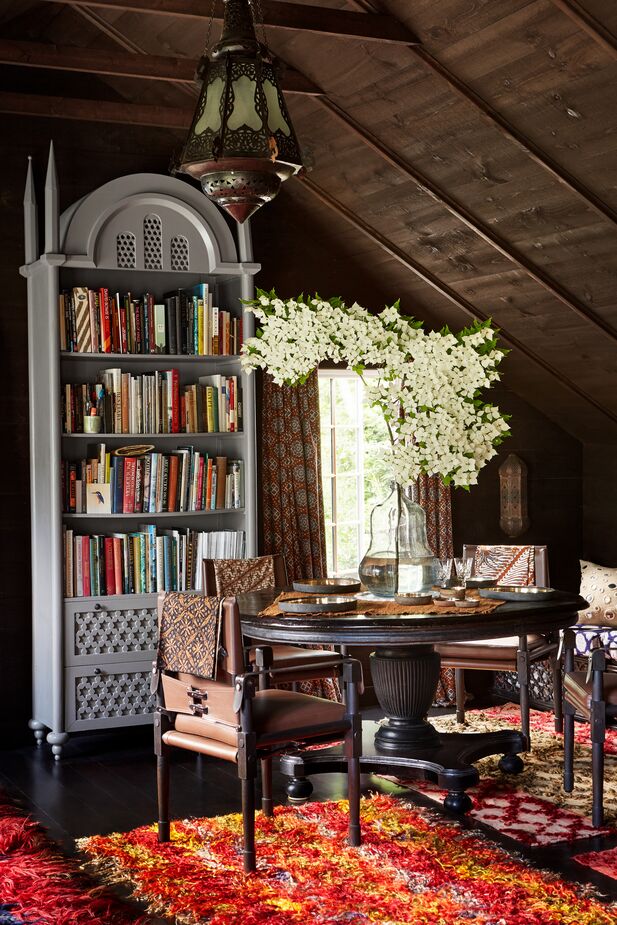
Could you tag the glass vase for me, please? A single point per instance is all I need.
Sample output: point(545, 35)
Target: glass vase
point(399, 559)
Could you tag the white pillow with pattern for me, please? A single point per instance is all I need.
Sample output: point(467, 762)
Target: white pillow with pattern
point(599, 588)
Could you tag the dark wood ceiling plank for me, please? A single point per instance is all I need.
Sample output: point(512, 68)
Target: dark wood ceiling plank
point(277, 14)
point(102, 62)
point(444, 290)
point(59, 107)
point(476, 225)
point(589, 24)
point(535, 152)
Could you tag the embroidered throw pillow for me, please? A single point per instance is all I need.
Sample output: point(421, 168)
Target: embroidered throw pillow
point(599, 588)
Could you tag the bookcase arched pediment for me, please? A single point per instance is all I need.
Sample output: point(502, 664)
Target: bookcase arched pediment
point(147, 222)
point(93, 640)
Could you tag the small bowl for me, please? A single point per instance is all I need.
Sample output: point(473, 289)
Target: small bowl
point(466, 602)
point(413, 600)
point(457, 593)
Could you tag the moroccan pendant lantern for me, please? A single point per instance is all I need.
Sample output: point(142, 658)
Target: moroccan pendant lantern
point(241, 144)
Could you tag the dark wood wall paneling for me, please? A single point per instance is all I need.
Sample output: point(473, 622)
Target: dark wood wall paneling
point(86, 156)
point(600, 504)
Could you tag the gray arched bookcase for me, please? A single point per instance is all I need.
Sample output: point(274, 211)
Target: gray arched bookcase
point(92, 655)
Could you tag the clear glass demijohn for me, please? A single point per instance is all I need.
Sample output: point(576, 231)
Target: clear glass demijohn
point(399, 559)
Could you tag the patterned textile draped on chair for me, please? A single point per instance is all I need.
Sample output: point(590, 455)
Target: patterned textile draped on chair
point(507, 565)
point(293, 512)
point(436, 500)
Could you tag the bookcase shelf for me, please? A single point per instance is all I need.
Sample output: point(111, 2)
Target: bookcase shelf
point(172, 514)
point(96, 438)
point(141, 233)
point(157, 358)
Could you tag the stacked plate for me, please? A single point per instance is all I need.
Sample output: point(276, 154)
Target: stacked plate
point(323, 595)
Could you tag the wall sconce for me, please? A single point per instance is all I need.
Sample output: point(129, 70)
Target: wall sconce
point(514, 517)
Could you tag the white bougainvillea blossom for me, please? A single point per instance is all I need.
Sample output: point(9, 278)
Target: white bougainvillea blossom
point(428, 383)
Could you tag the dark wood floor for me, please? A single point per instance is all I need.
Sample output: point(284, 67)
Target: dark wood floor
point(106, 783)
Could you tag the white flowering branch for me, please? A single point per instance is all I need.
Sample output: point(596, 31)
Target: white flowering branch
point(429, 382)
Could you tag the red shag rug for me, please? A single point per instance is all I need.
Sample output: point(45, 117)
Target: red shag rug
point(412, 867)
point(39, 886)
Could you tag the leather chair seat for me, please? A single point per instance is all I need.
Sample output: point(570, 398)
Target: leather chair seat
point(275, 713)
point(577, 691)
point(291, 656)
point(489, 650)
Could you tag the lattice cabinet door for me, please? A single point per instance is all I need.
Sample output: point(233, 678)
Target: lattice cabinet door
point(115, 630)
point(106, 695)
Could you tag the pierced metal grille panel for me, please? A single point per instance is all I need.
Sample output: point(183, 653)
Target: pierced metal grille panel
point(179, 252)
point(107, 632)
point(126, 253)
point(540, 683)
point(153, 242)
point(102, 696)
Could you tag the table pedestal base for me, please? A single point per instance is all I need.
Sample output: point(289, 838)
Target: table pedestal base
point(448, 762)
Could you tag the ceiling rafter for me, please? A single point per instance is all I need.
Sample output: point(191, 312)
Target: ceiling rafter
point(88, 110)
point(143, 66)
point(493, 117)
point(473, 223)
point(589, 24)
point(277, 14)
point(444, 290)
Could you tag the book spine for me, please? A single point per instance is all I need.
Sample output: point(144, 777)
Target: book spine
point(110, 574)
point(128, 505)
point(85, 562)
point(175, 401)
point(105, 320)
point(221, 475)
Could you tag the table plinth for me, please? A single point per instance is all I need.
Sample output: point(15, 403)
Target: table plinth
point(448, 762)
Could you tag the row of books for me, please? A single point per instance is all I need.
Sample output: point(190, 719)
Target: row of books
point(146, 561)
point(154, 403)
point(100, 321)
point(184, 479)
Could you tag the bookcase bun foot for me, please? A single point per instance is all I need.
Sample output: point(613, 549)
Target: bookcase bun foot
point(142, 433)
point(57, 740)
point(39, 730)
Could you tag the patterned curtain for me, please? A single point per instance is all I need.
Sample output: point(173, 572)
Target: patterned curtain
point(293, 513)
point(292, 497)
point(436, 499)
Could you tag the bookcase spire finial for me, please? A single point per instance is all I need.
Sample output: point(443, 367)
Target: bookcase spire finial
point(52, 234)
point(31, 231)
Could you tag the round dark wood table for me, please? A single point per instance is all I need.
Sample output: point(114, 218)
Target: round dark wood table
point(405, 670)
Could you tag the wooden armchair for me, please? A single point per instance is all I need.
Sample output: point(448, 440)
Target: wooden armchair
point(512, 653)
point(227, 577)
point(234, 715)
point(592, 696)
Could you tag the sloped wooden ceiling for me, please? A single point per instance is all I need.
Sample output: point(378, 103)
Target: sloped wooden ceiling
point(464, 153)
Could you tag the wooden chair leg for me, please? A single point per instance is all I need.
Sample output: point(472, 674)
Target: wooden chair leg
point(522, 663)
point(353, 797)
point(598, 721)
point(266, 787)
point(557, 693)
point(459, 687)
point(162, 777)
point(568, 747)
point(248, 823)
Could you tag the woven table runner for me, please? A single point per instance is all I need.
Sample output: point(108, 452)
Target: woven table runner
point(388, 608)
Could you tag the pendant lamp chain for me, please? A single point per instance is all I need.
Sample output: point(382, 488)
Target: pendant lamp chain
point(258, 20)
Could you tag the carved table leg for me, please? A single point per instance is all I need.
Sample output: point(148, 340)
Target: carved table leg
point(405, 681)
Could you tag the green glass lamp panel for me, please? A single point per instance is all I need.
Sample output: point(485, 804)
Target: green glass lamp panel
point(244, 111)
point(210, 119)
point(276, 120)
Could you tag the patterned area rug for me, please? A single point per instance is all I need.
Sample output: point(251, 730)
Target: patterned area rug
point(532, 807)
point(412, 867)
point(38, 886)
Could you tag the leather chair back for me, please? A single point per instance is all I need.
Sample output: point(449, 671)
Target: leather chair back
point(540, 560)
point(252, 579)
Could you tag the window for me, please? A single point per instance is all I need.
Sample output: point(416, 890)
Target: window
point(355, 469)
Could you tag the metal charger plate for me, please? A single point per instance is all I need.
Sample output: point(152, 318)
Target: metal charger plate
point(326, 604)
point(520, 594)
point(326, 586)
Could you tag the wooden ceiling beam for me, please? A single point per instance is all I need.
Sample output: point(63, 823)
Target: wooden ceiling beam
point(444, 290)
point(494, 118)
point(277, 14)
point(105, 63)
point(59, 107)
point(478, 227)
point(589, 24)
